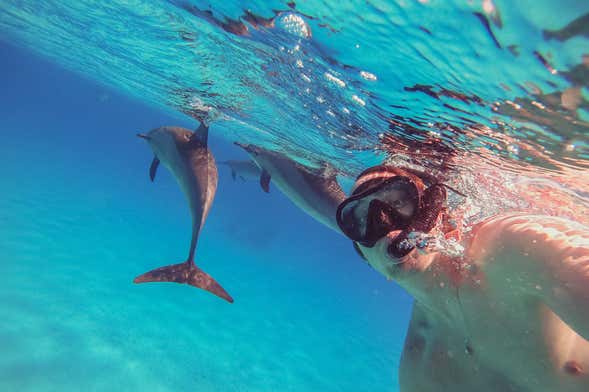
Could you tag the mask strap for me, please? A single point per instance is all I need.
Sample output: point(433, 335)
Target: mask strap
point(450, 188)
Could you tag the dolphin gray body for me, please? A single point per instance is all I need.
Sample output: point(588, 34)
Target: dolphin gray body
point(315, 191)
point(188, 158)
point(245, 170)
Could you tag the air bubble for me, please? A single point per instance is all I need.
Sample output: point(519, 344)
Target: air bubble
point(358, 100)
point(335, 80)
point(294, 24)
point(368, 76)
point(512, 148)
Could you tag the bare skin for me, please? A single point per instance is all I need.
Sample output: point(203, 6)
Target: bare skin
point(511, 315)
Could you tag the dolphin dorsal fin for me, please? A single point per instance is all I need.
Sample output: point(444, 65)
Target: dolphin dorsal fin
point(201, 135)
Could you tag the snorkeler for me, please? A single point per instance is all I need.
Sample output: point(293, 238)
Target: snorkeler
point(510, 314)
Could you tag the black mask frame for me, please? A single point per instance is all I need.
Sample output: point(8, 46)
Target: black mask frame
point(382, 218)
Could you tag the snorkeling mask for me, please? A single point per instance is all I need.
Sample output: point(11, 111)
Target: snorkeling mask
point(389, 199)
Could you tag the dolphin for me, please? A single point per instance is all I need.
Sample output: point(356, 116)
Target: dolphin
point(315, 191)
point(187, 156)
point(245, 169)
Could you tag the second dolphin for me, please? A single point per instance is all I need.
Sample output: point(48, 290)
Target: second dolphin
point(315, 191)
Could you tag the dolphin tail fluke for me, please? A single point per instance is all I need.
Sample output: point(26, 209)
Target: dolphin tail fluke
point(185, 273)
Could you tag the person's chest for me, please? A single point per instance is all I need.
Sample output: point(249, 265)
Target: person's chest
point(489, 341)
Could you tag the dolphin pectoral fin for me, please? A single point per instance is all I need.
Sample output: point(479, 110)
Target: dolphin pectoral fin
point(233, 174)
point(153, 168)
point(185, 273)
point(265, 181)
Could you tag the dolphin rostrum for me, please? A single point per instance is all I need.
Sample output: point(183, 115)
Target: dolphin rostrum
point(187, 156)
point(315, 191)
point(245, 170)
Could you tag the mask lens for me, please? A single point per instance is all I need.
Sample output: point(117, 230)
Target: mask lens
point(370, 215)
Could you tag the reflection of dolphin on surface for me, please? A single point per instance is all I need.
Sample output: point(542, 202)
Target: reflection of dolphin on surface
point(187, 156)
point(245, 170)
point(315, 191)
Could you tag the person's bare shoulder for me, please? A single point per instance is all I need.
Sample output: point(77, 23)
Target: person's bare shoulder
point(532, 233)
point(548, 256)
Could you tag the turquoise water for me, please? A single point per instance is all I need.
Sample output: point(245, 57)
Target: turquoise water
point(85, 220)
point(79, 218)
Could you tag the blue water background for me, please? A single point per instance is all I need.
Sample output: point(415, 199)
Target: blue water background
point(79, 219)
